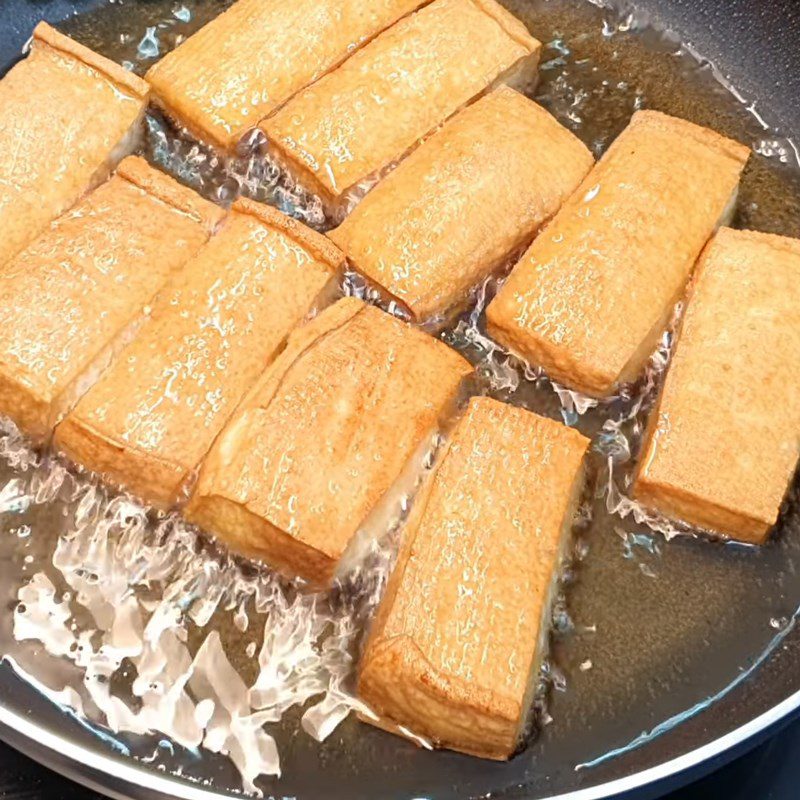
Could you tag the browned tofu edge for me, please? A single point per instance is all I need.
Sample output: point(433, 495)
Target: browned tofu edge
point(483, 715)
point(707, 136)
point(302, 174)
point(166, 189)
point(155, 480)
point(118, 75)
point(684, 506)
point(31, 414)
point(679, 504)
point(338, 204)
point(232, 522)
point(322, 248)
point(252, 536)
point(511, 25)
point(562, 367)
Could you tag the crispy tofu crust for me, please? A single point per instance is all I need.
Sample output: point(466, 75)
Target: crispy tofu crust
point(322, 437)
point(459, 636)
point(253, 57)
point(68, 298)
point(371, 110)
point(594, 292)
point(463, 202)
point(45, 35)
point(317, 245)
point(67, 115)
point(159, 186)
point(151, 418)
point(724, 441)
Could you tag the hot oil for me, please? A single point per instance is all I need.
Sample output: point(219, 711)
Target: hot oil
point(624, 64)
point(654, 626)
point(138, 34)
point(655, 615)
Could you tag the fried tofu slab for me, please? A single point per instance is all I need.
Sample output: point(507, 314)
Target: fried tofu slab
point(463, 202)
point(253, 57)
point(455, 649)
point(148, 422)
point(725, 439)
point(353, 123)
point(69, 299)
point(67, 116)
point(592, 295)
point(323, 436)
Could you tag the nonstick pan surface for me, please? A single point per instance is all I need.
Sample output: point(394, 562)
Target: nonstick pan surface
point(682, 651)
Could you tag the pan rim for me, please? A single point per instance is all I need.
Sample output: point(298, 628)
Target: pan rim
point(68, 759)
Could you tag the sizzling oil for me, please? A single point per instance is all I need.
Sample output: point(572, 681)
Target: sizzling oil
point(646, 615)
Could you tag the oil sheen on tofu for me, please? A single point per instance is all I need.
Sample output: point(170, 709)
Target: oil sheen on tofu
point(252, 58)
point(592, 295)
point(366, 114)
point(153, 416)
point(455, 649)
point(721, 450)
point(463, 202)
point(67, 116)
point(70, 299)
point(323, 435)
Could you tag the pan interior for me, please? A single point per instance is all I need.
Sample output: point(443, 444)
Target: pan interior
point(658, 628)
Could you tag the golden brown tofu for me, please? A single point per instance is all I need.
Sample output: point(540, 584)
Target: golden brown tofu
point(67, 115)
point(455, 649)
point(323, 436)
point(366, 114)
point(156, 411)
point(725, 439)
point(69, 299)
point(463, 202)
point(592, 295)
point(252, 58)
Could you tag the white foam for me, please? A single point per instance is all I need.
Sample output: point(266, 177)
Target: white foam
point(123, 592)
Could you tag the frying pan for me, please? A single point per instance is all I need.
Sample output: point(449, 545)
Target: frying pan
point(684, 652)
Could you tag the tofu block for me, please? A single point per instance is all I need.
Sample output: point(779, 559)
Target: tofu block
point(69, 299)
point(322, 436)
point(724, 441)
point(463, 202)
point(592, 295)
point(353, 123)
point(152, 417)
point(67, 116)
point(455, 649)
point(253, 57)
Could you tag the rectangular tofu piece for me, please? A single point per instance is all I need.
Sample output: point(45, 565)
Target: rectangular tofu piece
point(353, 123)
point(463, 202)
point(592, 295)
point(723, 444)
point(67, 116)
point(253, 57)
point(68, 298)
point(455, 649)
point(148, 422)
point(323, 436)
